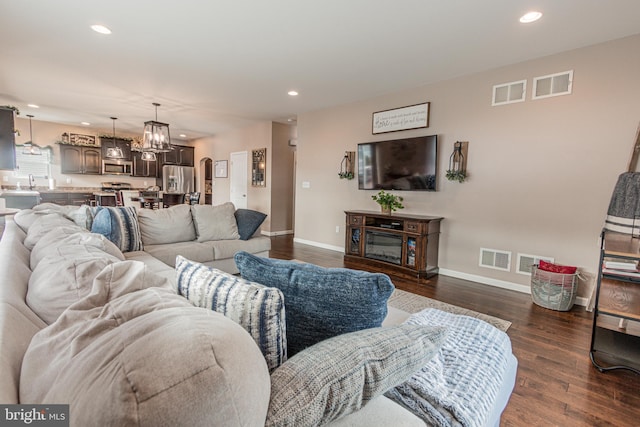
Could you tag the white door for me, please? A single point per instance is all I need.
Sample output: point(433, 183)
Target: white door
point(239, 179)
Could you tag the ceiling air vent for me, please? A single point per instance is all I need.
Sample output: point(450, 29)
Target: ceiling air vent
point(552, 85)
point(498, 260)
point(524, 262)
point(508, 93)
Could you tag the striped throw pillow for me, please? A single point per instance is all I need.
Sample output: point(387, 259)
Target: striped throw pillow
point(257, 308)
point(119, 225)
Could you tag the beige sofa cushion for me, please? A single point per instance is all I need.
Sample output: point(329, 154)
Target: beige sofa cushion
point(44, 224)
point(223, 249)
point(171, 225)
point(60, 280)
point(215, 222)
point(130, 355)
point(194, 251)
point(61, 240)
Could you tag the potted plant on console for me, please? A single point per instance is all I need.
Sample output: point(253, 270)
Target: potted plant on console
point(388, 202)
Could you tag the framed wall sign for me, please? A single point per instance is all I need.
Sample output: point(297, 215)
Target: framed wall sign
point(78, 139)
point(404, 118)
point(220, 168)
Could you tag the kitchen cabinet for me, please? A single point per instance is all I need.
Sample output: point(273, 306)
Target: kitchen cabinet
point(61, 198)
point(123, 144)
point(144, 168)
point(7, 140)
point(180, 155)
point(80, 159)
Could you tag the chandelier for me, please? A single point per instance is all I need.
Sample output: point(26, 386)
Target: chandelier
point(155, 138)
point(114, 152)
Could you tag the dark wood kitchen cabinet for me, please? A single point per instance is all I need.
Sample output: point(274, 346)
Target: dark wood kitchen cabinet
point(181, 155)
point(144, 168)
point(123, 144)
point(7, 140)
point(80, 159)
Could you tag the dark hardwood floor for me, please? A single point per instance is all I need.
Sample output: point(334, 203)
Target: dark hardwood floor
point(556, 384)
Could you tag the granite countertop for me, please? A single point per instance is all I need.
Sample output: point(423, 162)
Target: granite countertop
point(46, 190)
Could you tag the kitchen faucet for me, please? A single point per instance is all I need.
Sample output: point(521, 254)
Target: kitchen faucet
point(32, 182)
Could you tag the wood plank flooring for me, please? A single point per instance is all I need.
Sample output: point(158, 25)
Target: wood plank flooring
point(556, 383)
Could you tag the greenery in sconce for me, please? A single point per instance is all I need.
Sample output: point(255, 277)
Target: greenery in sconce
point(388, 201)
point(346, 175)
point(459, 176)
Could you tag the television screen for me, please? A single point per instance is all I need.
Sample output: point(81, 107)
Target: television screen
point(399, 164)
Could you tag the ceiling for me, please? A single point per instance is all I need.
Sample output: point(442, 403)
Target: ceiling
point(216, 65)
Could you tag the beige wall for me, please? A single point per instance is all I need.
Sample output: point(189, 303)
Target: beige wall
point(271, 199)
point(540, 172)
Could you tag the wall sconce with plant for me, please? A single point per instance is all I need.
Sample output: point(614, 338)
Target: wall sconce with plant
point(388, 202)
point(458, 162)
point(347, 165)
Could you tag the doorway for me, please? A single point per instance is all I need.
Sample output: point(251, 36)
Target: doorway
point(239, 179)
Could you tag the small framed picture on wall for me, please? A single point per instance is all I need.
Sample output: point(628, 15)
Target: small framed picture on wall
point(220, 169)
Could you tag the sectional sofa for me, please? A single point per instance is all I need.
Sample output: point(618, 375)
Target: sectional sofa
point(108, 316)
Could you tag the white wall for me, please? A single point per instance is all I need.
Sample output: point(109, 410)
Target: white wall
point(540, 172)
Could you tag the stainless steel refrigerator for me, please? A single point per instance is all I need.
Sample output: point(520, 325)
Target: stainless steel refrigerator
point(177, 179)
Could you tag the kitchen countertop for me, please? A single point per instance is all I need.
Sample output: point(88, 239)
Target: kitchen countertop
point(46, 190)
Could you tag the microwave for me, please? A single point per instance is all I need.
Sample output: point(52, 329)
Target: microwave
point(117, 167)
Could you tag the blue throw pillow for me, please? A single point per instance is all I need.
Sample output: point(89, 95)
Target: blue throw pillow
point(120, 226)
point(320, 302)
point(248, 222)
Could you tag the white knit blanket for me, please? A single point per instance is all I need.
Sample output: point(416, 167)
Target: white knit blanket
point(459, 386)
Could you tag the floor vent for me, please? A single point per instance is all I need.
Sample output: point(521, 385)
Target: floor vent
point(524, 262)
point(493, 258)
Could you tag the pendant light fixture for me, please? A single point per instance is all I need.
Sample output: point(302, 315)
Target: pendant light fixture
point(156, 137)
point(148, 156)
point(114, 152)
point(29, 147)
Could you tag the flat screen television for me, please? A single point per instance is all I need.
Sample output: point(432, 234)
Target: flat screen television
point(408, 164)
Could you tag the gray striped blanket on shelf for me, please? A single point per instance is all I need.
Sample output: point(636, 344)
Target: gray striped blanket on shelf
point(623, 215)
point(459, 386)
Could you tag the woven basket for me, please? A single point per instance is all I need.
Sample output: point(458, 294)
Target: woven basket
point(555, 291)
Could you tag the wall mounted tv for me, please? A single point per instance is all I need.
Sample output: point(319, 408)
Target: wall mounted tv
point(401, 164)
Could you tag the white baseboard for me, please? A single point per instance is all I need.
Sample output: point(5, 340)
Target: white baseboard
point(276, 233)
point(319, 245)
point(525, 289)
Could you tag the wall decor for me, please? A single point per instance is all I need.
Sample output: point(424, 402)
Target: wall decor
point(78, 139)
point(404, 118)
point(458, 162)
point(346, 167)
point(220, 168)
point(259, 167)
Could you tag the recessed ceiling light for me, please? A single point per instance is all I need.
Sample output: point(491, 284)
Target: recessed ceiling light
point(530, 17)
point(85, 123)
point(182, 135)
point(293, 93)
point(100, 29)
point(33, 106)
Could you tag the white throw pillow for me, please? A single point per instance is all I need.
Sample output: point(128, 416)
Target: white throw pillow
point(215, 222)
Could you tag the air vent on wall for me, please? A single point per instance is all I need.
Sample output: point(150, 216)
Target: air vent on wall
point(496, 259)
point(552, 85)
point(524, 262)
point(508, 93)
